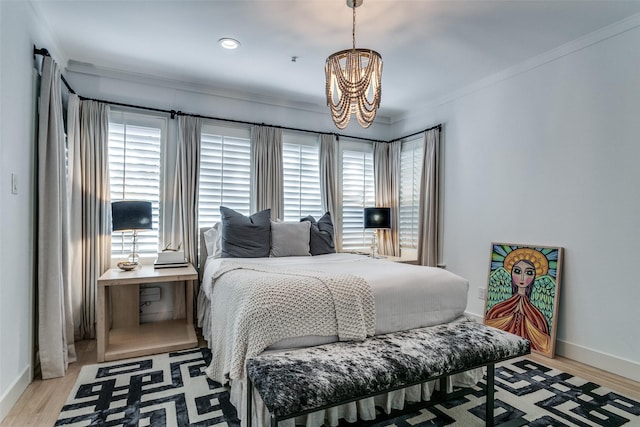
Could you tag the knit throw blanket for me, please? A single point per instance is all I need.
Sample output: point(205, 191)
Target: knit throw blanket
point(254, 306)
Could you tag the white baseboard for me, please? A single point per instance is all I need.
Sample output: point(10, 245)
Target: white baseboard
point(606, 362)
point(14, 392)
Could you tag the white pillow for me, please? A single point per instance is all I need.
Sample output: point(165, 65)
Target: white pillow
point(212, 240)
point(290, 238)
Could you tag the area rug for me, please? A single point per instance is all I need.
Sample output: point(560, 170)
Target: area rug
point(172, 390)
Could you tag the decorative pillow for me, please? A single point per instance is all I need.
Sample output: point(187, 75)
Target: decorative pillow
point(245, 237)
point(213, 241)
point(290, 238)
point(321, 241)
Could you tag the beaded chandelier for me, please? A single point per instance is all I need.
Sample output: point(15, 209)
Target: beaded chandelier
point(353, 81)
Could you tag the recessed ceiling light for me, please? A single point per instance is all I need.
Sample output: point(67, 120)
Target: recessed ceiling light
point(228, 43)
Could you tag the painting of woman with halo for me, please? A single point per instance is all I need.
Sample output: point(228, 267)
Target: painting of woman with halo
point(522, 297)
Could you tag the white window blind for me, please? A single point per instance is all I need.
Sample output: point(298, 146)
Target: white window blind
point(225, 172)
point(357, 193)
point(135, 143)
point(410, 171)
point(301, 176)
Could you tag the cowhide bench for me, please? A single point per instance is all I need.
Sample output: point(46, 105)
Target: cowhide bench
point(305, 380)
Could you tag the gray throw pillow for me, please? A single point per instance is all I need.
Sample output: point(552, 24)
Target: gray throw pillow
point(245, 237)
point(290, 238)
point(321, 241)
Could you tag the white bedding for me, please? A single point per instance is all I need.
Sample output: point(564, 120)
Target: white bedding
point(406, 297)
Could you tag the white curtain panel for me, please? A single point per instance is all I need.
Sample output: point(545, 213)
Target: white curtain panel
point(386, 174)
point(429, 213)
point(75, 213)
point(184, 218)
point(267, 170)
point(329, 189)
point(55, 321)
point(90, 202)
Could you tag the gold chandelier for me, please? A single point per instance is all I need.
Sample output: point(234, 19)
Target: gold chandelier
point(353, 81)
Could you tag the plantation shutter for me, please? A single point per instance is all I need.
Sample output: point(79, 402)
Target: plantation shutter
point(410, 170)
point(300, 160)
point(357, 193)
point(134, 173)
point(225, 173)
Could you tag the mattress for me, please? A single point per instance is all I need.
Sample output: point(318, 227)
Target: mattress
point(406, 296)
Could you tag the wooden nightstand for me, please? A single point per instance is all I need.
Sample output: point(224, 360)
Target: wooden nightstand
point(126, 337)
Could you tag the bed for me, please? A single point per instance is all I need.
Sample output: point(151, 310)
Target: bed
point(404, 297)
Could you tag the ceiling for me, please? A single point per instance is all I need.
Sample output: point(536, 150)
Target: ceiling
point(430, 48)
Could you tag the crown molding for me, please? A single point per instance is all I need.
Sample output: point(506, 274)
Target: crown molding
point(561, 51)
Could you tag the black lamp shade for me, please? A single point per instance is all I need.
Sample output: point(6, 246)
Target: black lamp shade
point(131, 215)
point(377, 217)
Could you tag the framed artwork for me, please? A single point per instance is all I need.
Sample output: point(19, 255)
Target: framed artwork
point(523, 291)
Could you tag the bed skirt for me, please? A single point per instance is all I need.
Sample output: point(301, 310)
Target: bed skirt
point(364, 409)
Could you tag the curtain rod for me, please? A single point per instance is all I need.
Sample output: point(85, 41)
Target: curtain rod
point(174, 113)
point(45, 52)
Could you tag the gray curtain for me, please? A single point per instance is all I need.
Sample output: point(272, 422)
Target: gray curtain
point(184, 218)
point(90, 200)
point(329, 186)
point(55, 320)
point(386, 174)
point(429, 213)
point(268, 180)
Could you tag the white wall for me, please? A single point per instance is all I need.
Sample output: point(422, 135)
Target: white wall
point(16, 248)
point(550, 156)
point(18, 33)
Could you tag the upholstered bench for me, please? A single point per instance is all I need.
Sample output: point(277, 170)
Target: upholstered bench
point(305, 380)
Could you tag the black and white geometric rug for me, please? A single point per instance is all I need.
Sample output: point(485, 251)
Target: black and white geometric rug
point(169, 389)
point(172, 390)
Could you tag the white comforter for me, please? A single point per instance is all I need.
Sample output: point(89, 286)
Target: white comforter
point(406, 296)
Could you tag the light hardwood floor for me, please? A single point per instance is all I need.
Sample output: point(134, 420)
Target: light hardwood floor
point(40, 404)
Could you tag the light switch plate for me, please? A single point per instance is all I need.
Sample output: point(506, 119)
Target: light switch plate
point(14, 183)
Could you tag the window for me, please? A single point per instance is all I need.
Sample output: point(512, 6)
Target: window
point(410, 171)
point(300, 160)
point(135, 143)
point(225, 172)
point(357, 193)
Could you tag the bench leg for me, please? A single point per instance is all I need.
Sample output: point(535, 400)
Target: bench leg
point(490, 397)
point(249, 401)
point(443, 387)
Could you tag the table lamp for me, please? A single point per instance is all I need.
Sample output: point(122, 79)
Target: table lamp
point(131, 215)
point(376, 218)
